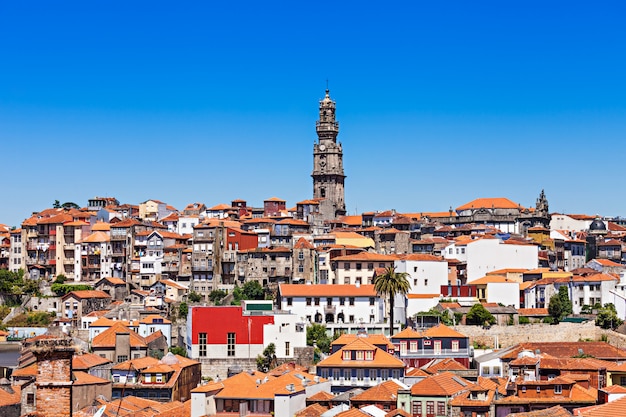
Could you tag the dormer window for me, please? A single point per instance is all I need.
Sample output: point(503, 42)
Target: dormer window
point(360, 355)
point(369, 355)
point(558, 389)
point(346, 355)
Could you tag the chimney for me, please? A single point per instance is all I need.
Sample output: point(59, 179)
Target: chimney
point(54, 376)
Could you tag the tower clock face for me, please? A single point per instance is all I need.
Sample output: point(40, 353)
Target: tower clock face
point(322, 147)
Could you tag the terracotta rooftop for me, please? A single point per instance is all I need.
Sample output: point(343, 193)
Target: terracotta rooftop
point(326, 290)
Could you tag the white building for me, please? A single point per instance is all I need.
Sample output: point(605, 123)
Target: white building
point(427, 273)
point(490, 254)
point(152, 324)
point(95, 252)
point(574, 222)
point(331, 303)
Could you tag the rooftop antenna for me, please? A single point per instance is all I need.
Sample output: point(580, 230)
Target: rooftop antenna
point(327, 83)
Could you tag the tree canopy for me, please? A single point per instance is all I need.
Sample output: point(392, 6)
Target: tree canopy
point(388, 284)
point(479, 315)
point(607, 317)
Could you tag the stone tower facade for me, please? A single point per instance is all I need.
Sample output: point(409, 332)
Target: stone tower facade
point(328, 176)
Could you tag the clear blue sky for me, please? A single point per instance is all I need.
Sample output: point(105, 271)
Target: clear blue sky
point(438, 102)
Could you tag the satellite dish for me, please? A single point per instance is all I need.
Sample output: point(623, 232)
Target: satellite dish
point(100, 412)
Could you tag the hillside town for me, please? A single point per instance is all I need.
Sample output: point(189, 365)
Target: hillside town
point(489, 309)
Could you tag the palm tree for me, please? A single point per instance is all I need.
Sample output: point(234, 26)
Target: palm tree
point(388, 284)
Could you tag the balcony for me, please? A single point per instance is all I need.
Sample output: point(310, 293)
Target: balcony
point(330, 309)
point(68, 261)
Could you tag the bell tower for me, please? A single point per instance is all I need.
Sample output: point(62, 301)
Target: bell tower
point(328, 176)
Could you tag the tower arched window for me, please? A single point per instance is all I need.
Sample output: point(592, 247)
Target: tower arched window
point(323, 192)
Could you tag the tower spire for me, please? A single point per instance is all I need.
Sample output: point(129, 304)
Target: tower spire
point(328, 175)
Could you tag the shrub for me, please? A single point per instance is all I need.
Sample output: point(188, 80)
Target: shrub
point(524, 320)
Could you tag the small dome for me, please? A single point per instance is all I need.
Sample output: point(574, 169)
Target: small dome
point(170, 359)
point(597, 225)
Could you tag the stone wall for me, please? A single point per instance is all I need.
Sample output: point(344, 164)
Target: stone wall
point(505, 336)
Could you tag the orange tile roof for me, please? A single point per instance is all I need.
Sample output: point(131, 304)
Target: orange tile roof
point(313, 410)
point(302, 243)
point(615, 408)
point(440, 385)
point(447, 364)
point(96, 237)
point(28, 371)
point(366, 256)
point(441, 330)
point(107, 338)
point(326, 290)
point(83, 378)
point(353, 412)
point(498, 202)
point(490, 279)
point(86, 361)
point(154, 319)
point(84, 294)
point(381, 358)
point(321, 396)
point(8, 399)
point(384, 392)
point(376, 339)
point(533, 312)
point(423, 257)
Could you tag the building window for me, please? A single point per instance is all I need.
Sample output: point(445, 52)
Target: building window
point(159, 378)
point(301, 255)
point(430, 408)
point(369, 355)
point(317, 301)
point(30, 398)
point(308, 301)
point(347, 373)
point(455, 346)
point(342, 301)
point(417, 408)
point(122, 358)
point(346, 355)
point(558, 389)
point(336, 374)
point(351, 300)
point(384, 374)
point(372, 301)
point(346, 266)
point(289, 301)
point(202, 344)
point(230, 349)
point(360, 374)
point(360, 355)
point(287, 349)
point(358, 266)
point(538, 389)
point(370, 266)
point(441, 408)
point(413, 346)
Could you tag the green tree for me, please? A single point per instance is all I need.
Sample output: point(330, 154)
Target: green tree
point(60, 279)
point(479, 315)
point(444, 317)
point(607, 317)
point(389, 284)
point(178, 350)
point(252, 290)
point(183, 310)
point(216, 296)
point(56, 204)
point(555, 308)
point(566, 303)
point(316, 335)
point(194, 297)
point(267, 361)
point(69, 205)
